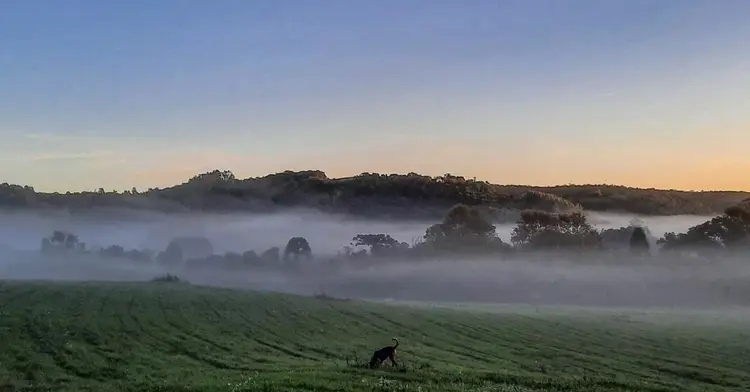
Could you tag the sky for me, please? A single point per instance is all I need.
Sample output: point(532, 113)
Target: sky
point(137, 93)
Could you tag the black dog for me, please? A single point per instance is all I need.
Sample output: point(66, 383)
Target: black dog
point(388, 352)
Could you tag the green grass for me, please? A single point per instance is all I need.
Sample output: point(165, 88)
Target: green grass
point(178, 337)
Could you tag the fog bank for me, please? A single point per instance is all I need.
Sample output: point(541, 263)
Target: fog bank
point(326, 233)
point(551, 279)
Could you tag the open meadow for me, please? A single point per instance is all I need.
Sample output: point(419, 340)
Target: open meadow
point(232, 196)
point(162, 336)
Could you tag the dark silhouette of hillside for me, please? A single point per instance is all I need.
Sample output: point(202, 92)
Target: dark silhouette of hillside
point(382, 195)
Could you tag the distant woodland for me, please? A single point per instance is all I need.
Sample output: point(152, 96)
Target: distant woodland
point(463, 231)
point(394, 196)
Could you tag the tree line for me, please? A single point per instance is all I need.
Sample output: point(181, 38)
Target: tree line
point(463, 231)
point(371, 194)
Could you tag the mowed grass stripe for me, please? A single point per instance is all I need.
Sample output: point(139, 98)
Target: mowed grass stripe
point(170, 337)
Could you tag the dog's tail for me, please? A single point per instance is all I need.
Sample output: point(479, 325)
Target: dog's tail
point(395, 340)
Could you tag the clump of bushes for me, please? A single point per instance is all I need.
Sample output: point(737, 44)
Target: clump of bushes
point(168, 278)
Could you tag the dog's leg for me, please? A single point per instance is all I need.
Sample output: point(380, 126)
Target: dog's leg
point(374, 361)
point(392, 357)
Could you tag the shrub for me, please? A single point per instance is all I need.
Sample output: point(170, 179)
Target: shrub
point(168, 278)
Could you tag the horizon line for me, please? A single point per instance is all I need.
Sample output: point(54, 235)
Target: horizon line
point(404, 174)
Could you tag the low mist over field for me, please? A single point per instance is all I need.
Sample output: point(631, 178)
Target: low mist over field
point(238, 232)
point(547, 277)
point(228, 232)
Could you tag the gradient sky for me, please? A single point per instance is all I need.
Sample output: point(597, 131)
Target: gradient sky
point(147, 93)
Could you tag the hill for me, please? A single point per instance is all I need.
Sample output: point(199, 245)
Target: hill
point(378, 195)
point(177, 337)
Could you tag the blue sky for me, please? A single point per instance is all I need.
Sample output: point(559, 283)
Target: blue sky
point(117, 94)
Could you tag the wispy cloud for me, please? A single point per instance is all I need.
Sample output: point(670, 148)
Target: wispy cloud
point(55, 137)
point(41, 136)
point(67, 156)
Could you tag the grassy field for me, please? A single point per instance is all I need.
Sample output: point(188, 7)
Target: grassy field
point(178, 337)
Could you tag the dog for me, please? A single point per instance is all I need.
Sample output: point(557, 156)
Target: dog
point(388, 352)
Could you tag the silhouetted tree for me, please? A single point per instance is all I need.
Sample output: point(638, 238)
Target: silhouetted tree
point(47, 246)
point(620, 238)
point(351, 253)
point(739, 213)
point(60, 240)
point(215, 175)
point(183, 248)
point(233, 260)
point(58, 237)
point(547, 202)
point(729, 231)
point(462, 227)
point(639, 242)
point(379, 244)
point(616, 237)
point(113, 251)
point(296, 247)
point(541, 229)
point(172, 255)
point(272, 255)
point(251, 258)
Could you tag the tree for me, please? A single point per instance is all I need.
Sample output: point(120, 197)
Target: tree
point(616, 238)
point(379, 244)
point(531, 225)
point(250, 258)
point(728, 231)
point(172, 255)
point(190, 247)
point(635, 236)
point(296, 247)
point(114, 251)
point(215, 175)
point(462, 227)
point(639, 242)
point(58, 237)
point(47, 245)
point(351, 253)
point(60, 240)
point(547, 202)
point(233, 260)
point(738, 213)
point(271, 255)
point(463, 220)
point(541, 229)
